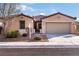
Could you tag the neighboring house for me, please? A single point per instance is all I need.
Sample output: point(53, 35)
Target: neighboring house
point(38, 23)
point(77, 26)
point(77, 22)
point(19, 22)
point(58, 23)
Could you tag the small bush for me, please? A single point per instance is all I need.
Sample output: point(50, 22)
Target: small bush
point(37, 38)
point(24, 35)
point(1, 29)
point(77, 28)
point(12, 34)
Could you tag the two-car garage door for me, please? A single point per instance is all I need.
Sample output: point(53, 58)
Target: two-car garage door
point(57, 28)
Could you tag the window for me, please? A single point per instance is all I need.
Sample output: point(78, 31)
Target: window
point(22, 24)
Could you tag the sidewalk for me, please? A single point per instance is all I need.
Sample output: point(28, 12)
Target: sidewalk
point(35, 45)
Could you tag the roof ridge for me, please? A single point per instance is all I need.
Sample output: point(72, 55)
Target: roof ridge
point(18, 15)
point(59, 13)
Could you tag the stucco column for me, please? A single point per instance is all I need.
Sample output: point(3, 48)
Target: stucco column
point(43, 27)
point(30, 31)
point(73, 28)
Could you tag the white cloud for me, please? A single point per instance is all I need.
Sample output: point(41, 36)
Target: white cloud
point(24, 7)
point(42, 13)
point(77, 19)
point(54, 11)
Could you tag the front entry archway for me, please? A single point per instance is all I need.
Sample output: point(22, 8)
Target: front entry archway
point(37, 26)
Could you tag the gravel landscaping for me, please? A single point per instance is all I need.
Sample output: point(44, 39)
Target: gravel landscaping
point(24, 39)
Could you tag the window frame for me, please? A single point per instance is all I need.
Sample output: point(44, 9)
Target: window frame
point(22, 24)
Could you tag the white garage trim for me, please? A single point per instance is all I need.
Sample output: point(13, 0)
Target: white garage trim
point(58, 27)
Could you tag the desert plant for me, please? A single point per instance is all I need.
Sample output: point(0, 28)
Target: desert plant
point(77, 28)
point(37, 38)
point(12, 34)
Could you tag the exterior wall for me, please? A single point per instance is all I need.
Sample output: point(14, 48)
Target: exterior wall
point(13, 24)
point(58, 18)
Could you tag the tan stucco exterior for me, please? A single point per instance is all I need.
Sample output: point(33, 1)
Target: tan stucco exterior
point(13, 24)
point(55, 20)
point(58, 18)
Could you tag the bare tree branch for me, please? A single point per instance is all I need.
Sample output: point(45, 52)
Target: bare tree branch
point(6, 10)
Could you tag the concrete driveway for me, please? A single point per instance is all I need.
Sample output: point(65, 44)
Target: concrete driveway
point(63, 39)
point(55, 41)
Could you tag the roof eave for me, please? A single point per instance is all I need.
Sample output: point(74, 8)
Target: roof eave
point(61, 14)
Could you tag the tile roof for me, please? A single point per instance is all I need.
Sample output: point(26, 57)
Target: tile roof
point(39, 17)
point(16, 15)
point(60, 14)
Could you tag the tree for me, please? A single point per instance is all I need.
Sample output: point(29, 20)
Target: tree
point(6, 10)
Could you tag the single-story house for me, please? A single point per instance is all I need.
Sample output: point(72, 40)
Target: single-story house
point(58, 23)
point(19, 22)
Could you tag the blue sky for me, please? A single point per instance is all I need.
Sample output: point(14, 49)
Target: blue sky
point(33, 9)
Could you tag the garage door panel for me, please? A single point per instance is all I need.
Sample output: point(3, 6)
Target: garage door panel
point(57, 28)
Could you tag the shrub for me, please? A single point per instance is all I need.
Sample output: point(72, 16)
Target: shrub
point(37, 38)
point(12, 34)
point(24, 34)
point(77, 28)
point(1, 29)
point(8, 35)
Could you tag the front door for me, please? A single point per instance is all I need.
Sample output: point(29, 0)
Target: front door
point(37, 30)
point(37, 27)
